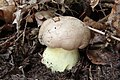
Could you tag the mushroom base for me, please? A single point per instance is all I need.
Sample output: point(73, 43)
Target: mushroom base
point(58, 59)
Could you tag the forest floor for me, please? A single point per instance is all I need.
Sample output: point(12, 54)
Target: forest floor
point(21, 52)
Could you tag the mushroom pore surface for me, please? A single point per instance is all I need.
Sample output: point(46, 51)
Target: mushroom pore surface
point(64, 32)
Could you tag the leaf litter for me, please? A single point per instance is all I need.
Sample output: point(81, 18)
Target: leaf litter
point(20, 50)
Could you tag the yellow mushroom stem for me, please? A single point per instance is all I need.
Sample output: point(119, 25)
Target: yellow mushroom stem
point(58, 59)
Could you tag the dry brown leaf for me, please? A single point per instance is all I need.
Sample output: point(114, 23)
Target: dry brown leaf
point(43, 15)
point(46, 14)
point(3, 3)
point(10, 2)
point(99, 57)
point(116, 22)
point(93, 23)
point(29, 18)
point(114, 17)
point(6, 13)
point(95, 52)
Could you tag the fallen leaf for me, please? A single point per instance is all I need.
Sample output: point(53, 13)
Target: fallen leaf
point(29, 18)
point(3, 3)
point(99, 57)
point(114, 18)
point(39, 16)
point(46, 14)
point(6, 13)
point(10, 2)
point(93, 23)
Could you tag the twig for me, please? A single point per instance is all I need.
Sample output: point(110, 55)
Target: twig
point(103, 19)
point(24, 34)
point(8, 40)
point(20, 35)
point(98, 72)
point(90, 73)
point(102, 9)
point(100, 32)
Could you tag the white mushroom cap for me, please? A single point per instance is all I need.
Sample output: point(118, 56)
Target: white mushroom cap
point(64, 32)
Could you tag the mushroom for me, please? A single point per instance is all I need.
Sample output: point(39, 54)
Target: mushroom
point(63, 36)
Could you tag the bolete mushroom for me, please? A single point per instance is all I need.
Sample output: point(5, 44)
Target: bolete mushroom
point(63, 36)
